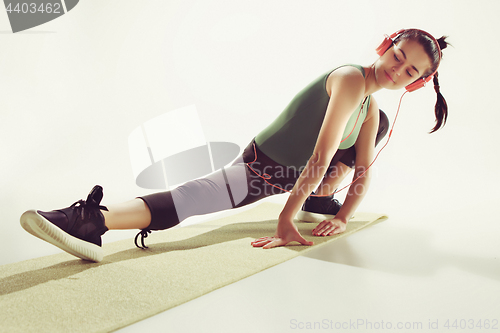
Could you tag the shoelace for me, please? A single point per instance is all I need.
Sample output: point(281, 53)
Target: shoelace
point(86, 209)
point(144, 234)
point(335, 201)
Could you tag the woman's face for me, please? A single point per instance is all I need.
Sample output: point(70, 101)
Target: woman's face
point(401, 65)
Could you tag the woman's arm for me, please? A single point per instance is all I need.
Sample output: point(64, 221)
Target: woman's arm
point(346, 88)
point(365, 146)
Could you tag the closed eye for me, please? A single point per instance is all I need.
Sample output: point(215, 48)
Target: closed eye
point(404, 55)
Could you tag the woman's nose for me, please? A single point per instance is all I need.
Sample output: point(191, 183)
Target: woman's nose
point(397, 70)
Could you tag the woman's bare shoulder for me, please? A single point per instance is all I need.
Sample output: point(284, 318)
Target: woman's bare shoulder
point(347, 77)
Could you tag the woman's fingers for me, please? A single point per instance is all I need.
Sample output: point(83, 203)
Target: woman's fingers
point(281, 242)
point(276, 242)
point(337, 231)
point(327, 228)
point(333, 232)
point(289, 236)
point(270, 242)
point(262, 241)
point(320, 229)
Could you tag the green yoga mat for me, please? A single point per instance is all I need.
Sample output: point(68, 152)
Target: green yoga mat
point(61, 293)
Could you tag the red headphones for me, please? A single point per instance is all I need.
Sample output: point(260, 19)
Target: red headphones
point(389, 41)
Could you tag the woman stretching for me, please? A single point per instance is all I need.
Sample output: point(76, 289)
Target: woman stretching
point(330, 128)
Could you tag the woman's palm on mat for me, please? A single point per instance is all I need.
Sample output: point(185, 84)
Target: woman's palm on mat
point(329, 228)
point(286, 232)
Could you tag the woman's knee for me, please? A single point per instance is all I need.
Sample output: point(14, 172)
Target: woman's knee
point(383, 126)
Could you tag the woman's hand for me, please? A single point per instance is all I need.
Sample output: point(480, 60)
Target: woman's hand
point(329, 228)
point(286, 232)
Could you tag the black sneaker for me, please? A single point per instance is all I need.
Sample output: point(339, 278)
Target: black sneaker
point(318, 209)
point(76, 229)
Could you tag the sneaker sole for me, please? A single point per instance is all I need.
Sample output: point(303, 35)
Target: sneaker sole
point(312, 217)
point(40, 227)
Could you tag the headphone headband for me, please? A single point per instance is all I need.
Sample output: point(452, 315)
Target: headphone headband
point(399, 32)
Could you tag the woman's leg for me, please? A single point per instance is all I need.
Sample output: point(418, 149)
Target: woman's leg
point(133, 214)
point(196, 197)
point(332, 179)
point(325, 207)
point(344, 161)
point(231, 187)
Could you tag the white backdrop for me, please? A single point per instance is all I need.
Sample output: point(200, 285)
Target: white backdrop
point(73, 89)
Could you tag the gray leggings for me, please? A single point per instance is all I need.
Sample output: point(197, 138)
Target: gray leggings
point(235, 186)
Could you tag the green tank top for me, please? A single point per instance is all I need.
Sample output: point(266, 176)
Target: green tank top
point(291, 137)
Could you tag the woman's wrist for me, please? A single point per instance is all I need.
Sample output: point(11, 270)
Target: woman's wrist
point(292, 206)
point(342, 218)
point(285, 217)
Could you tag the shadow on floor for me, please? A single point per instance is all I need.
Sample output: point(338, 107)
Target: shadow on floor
point(415, 254)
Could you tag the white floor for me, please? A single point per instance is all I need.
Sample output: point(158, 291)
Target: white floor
point(74, 88)
point(394, 276)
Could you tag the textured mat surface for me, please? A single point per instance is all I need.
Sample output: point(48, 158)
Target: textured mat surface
point(60, 293)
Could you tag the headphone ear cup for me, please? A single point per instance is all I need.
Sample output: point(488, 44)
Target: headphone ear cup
point(384, 46)
point(387, 43)
point(420, 83)
point(415, 85)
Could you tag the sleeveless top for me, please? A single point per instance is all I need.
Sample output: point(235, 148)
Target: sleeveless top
point(290, 139)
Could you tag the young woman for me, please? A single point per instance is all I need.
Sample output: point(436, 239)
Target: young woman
point(329, 128)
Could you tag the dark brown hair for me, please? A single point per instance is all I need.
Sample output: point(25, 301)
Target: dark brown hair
point(430, 47)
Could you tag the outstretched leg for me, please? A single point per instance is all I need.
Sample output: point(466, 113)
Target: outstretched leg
point(133, 214)
point(231, 187)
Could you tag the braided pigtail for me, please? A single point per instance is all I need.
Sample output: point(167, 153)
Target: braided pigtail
point(441, 108)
